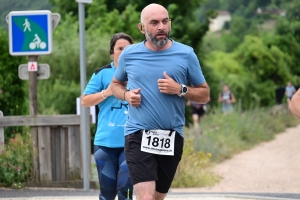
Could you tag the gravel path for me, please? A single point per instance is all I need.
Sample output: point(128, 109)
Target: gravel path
point(270, 167)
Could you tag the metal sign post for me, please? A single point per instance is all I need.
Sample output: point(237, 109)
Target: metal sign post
point(1, 135)
point(33, 108)
point(84, 120)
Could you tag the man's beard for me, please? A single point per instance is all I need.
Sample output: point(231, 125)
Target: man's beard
point(158, 42)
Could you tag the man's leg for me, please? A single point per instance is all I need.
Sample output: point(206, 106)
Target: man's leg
point(145, 190)
point(167, 166)
point(142, 167)
point(160, 196)
point(195, 117)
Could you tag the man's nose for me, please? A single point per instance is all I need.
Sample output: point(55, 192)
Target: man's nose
point(161, 26)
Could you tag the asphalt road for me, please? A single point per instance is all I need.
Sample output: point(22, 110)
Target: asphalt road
point(66, 194)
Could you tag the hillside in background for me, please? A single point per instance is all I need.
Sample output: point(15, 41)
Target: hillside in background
point(17, 5)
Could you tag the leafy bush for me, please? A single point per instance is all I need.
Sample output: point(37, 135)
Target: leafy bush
point(12, 94)
point(64, 81)
point(226, 135)
point(193, 169)
point(16, 162)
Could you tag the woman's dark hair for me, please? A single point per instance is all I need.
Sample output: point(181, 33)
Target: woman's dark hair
point(116, 37)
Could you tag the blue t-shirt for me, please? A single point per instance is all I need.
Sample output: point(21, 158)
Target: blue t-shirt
point(142, 68)
point(226, 96)
point(112, 111)
point(290, 90)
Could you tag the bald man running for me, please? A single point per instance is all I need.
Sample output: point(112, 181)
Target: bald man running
point(158, 70)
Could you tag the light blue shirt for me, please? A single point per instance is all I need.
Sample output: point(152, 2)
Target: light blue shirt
point(113, 112)
point(142, 68)
point(290, 90)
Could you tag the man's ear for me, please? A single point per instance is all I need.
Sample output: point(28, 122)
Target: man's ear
point(141, 27)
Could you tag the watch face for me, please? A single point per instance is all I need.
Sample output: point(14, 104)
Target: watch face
point(184, 89)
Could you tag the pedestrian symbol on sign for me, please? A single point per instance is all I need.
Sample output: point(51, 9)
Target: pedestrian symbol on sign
point(27, 25)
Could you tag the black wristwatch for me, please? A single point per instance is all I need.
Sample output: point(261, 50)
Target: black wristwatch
point(183, 90)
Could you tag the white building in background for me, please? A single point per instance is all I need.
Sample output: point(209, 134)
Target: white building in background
point(218, 23)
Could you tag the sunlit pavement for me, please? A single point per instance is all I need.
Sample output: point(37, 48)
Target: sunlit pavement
point(171, 197)
point(174, 194)
point(181, 194)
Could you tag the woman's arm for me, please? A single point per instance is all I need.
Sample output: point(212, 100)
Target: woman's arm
point(220, 99)
point(95, 99)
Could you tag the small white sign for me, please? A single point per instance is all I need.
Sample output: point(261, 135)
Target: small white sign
point(42, 73)
point(84, 1)
point(32, 66)
point(92, 110)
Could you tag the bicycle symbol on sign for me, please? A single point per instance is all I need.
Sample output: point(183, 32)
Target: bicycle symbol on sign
point(37, 43)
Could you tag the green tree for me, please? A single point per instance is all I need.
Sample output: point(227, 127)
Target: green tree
point(104, 18)
point(239, 27)
point(64, 81)
point(106, 15)
point(69, 6)
point(104, 22)
point(288, 35)
point(64, 7)
point(268, 64)
point(289, 45)
point(228, 70)
point(12, 93)
point(17, 5)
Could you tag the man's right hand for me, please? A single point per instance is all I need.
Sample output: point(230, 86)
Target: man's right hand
point(133, 97)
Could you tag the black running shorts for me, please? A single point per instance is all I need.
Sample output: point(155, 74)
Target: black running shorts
point(145, 166)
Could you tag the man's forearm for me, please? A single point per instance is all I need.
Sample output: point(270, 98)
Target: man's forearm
point(118, 89)
point(198, 94)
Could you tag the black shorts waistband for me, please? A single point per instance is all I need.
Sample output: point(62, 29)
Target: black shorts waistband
point(141, 131)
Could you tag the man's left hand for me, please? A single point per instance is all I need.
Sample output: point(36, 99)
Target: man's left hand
point(168, 85)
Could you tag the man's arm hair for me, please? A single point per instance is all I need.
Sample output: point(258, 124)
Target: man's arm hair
point(118, 88)
point(199, 93)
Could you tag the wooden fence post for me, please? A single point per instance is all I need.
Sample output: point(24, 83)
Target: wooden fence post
point(1, 134)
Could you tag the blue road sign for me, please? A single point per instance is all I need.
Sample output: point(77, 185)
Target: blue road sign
point(30, 32)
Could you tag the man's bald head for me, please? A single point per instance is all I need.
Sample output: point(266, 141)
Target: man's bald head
point(156, 25)
point(151, 10)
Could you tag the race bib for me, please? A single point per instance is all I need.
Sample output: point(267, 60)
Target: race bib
point(158, 142)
